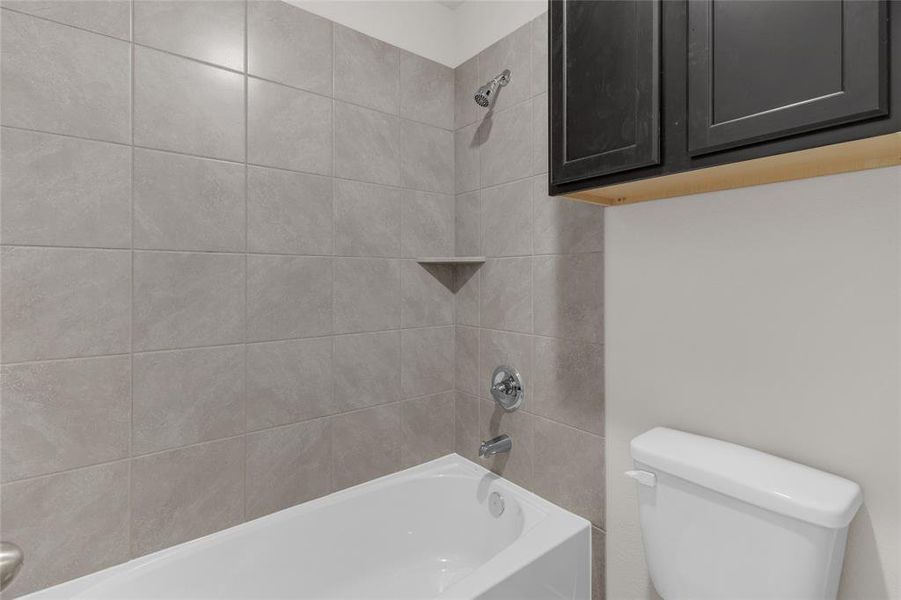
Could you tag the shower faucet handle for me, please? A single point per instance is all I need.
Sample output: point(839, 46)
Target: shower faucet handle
point(506, 388)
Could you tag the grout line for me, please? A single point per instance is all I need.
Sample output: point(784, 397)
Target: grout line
point(262, 253)
point(104, 463)
point(245, 398)
point(76, 27)
point(240, 435)
point(228, 161)
point(334, 169)
point(131, 311)
point(131, 308)
point(239, 343)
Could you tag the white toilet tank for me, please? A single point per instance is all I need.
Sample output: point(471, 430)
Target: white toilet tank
point(724, 522)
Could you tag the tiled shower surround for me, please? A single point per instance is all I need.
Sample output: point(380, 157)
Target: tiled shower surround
point(537, 302)
point(210, 307)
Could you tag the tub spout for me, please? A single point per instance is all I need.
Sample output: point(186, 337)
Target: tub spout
point(501, 443)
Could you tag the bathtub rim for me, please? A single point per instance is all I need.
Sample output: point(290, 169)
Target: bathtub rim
point(546, 527)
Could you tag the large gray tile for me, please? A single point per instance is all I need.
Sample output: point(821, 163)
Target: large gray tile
point(506, 153)
point(507, 219)
point(569, 469)
point(63, 80)
point(466, 82)
point(569, 296)
point(564, 226)
point(288, 381)
point(428, 91)
point(367, 145)
point(427, 294)
point(187, 299)
point(466, 159)
point(539, 54)
point(185, 106)
point(60, 302)
point(466, 348)
point(510, 52)
point(539, 134)
point(109, 17)
point(288, 128)
point(64, 191)
point(514, 350)
point(367, 294)
point(288, 297)
point(361, 456)
point(187, 203)
point(64, 414)
point(366, 370)
point(287, 466)
point(515, 465)
point(187, 396)
point(427, 356)
point(187, 493)
point(467, 226)
point(367, 219)
point(505, 298)
point(427, 428)
point(569, 383)
point(288, 213)
point(289, 45)
point(54, 519)
point(208, 31)
point(467, 436)
point(428, 224)
point(427, 158)
point(466, 296)
point(366, 70)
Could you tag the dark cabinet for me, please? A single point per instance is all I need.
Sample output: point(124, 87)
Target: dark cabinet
point(609, 82)
point(645, 88)
point(761, 69)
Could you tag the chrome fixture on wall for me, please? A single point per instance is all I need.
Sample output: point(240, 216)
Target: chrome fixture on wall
point(498, 445)
point(506, 388)
point(485, 95)
point(11, 559)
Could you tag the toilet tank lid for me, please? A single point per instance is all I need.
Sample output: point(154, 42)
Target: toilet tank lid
point(761, 479)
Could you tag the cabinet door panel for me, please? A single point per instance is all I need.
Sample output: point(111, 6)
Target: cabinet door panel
point(764, 69)
point(604, 87)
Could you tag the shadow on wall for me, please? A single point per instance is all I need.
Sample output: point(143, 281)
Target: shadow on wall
point(862, 537)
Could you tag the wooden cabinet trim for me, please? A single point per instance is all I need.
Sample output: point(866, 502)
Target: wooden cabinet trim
point(858, 155)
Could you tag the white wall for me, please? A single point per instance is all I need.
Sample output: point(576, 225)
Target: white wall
point(427, 28)
point(422, 27)
point(480, 23)
point(767, 316)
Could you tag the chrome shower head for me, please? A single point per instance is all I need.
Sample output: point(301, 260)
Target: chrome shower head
point(485, 95)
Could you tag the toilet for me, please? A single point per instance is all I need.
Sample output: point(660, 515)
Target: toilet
point(723, 522)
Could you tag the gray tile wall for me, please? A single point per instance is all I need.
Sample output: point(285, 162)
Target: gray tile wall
point(207, 244)
point(537, 303)
point(210, 212)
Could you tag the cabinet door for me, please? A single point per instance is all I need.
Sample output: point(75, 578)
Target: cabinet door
point(764, 69)
point(604, 87)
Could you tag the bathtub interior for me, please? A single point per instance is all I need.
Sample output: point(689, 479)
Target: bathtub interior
point(409, 535)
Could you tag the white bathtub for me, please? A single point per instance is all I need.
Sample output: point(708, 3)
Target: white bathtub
point(427, 532)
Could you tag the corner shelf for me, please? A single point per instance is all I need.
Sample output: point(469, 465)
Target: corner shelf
point(451, 260)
